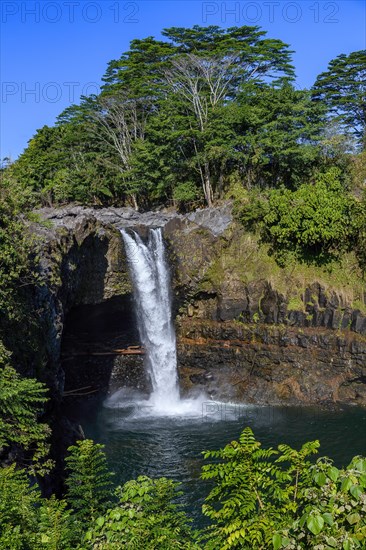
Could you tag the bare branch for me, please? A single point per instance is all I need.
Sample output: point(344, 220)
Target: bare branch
point(120, 122)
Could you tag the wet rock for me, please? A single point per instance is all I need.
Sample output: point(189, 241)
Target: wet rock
point(273, 365)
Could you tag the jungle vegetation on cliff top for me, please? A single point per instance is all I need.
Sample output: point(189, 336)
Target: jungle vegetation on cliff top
point(209, 114)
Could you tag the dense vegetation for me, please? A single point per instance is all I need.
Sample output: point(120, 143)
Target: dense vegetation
point(209, 114)
point(260, 499)
point(180, 121)
point(203, 116)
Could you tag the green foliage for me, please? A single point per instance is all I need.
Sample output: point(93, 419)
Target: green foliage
point(17, 246)
point(67, 163)
point(185, 192)
point(89, 481)
point(55, 525)
point(261, 499)
point(279, 499)
point(39, 163)
point(21, 401)
point(19, 268)
point(18, 510)
point(28, 522)
point(145, 517)
point(358, 171)
point(252, 210)
point(253, 495)
point(279, 130)
point(162, 128)
point(313, 223)
point(333, 508)
point(142, 69)
point(342, 88)
point(178, 117)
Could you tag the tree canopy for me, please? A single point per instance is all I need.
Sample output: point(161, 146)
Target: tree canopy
point(343, 89)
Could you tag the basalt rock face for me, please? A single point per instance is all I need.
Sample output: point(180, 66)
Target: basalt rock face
point(82, 264)
point(241, 335)
point(259, 302)
point(272, 364)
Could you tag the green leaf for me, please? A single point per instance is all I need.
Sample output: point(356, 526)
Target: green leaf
point(320, 478)
point(347, 545)
point(346, 484)
point(356, 491)
point(328, 518)
point(333, 473)
point(360, 465)
point(362, 480)
point(353, 518)
point(315, 524)
point(100, 521)
point(106, 192)
point(276, 541)
point(115, 514)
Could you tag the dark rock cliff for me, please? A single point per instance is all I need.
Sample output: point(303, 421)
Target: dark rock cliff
point(272, 364)
point(244, 333)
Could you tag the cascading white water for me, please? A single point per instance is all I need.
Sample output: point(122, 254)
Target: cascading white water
point(151, 283)
point(151, 286)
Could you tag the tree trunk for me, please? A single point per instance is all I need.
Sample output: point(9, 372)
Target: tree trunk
point(207, 187)
point(134, 202)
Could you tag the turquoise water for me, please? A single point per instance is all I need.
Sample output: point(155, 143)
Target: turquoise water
point(172, 447)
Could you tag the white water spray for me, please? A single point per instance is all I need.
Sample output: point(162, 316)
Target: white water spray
point(151, 283)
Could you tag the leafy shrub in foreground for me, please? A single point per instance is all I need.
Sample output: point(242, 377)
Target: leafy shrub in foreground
point(89, 481)
point(21, 401)
point(145, 517)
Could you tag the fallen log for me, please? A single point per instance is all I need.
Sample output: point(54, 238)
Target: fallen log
point(80, 392)
point(133, 350)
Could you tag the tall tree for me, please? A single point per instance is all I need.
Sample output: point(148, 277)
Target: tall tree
point(252, 55)
point(343, 88)
point(163, 126)
point(214, 68)
point(280, 130)
point(120, 121)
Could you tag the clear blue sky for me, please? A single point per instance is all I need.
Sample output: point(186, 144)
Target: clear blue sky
point(53, 51)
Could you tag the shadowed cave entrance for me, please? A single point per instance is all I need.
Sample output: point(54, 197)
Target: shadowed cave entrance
point(101, 350)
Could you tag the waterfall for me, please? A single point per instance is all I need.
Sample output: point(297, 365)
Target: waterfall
point(151, 286)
